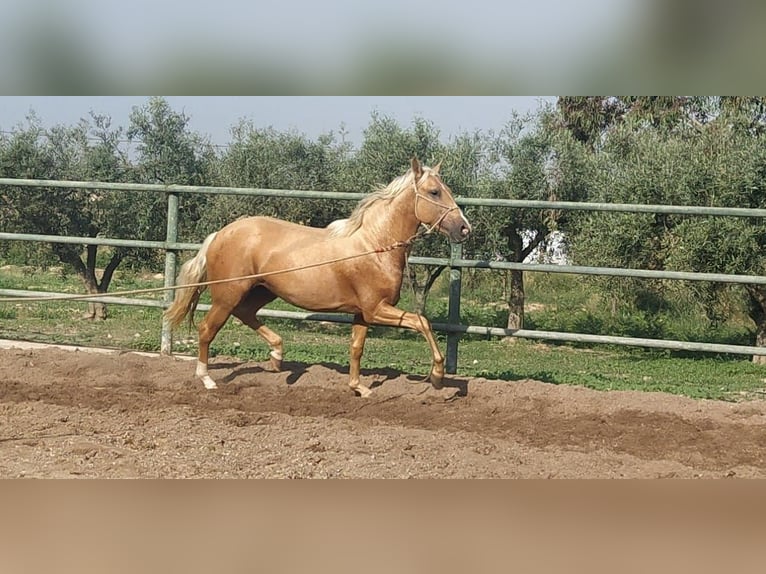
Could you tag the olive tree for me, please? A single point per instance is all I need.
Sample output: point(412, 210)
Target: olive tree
point(167, 152)
point(91, 151)
point(730, 171)
point(525, 162)
point(87, 151)
point(266, 158)
point(711, 154)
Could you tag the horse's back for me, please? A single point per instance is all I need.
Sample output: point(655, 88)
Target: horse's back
point(261, 229)
point(246, 245)
point(262, 223)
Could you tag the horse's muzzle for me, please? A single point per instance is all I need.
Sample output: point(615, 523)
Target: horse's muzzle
point(458, 229)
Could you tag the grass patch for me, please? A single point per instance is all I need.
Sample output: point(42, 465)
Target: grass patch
point(703, 377)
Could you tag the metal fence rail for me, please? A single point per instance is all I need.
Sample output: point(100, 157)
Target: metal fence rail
point(453, 328)
point(343, 195)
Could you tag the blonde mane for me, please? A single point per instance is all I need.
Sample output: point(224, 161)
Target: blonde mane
point(347, 227)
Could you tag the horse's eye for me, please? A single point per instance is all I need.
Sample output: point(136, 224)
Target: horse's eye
point(434, 192)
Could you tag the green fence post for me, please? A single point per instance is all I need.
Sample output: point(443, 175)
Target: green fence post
point(455, 284)
point(166, 337)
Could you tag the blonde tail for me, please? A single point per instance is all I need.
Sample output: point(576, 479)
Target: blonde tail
point(193, 271)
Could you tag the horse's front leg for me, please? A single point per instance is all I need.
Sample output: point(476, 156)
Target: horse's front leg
point(358, 337)
point(386, 314)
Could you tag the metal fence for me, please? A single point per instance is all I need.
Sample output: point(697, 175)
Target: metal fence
point(455, 262)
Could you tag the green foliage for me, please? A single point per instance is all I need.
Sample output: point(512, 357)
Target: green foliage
point(7, 314)
point(168, 152)
point(265, 158)
point(86, 151)
point(682, 151)
point(90, 151)
point(387, 148)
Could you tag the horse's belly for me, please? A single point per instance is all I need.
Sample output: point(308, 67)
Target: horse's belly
point(314, 293)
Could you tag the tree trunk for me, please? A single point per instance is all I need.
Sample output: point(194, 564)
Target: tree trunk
point(515, 299)
point(515, 277)
point(421, 294)
point(757, 312)
point(95, 310)
point(87, 273)
point(760, 341)
point(106, 280)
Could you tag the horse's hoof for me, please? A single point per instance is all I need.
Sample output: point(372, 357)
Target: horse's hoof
point(209, 383)
point(275, 358)
point(436, 381)
point(363, 391)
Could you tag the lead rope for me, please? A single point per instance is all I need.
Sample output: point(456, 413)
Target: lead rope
point(392, 247)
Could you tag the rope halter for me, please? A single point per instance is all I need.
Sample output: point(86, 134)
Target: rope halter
point(438, 222)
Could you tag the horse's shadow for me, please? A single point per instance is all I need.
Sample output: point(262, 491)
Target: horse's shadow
point(297, 370)
point(238, 369)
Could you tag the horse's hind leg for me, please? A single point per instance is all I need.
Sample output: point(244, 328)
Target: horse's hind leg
point(246, 312)
point(208, 329)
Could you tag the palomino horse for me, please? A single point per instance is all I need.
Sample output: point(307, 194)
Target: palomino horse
point(354, 265)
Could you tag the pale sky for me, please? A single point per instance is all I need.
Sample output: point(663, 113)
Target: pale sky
point(312, 115)
point(547, 36)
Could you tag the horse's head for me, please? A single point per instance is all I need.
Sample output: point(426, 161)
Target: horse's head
point(434, 205)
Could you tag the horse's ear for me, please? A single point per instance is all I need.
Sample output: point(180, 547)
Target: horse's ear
point(417, 169)
point(437, 167)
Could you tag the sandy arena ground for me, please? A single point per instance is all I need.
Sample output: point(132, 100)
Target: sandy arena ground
point(67, 413)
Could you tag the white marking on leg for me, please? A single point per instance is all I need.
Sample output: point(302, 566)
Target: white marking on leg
point(276, 355)
point(203, 374)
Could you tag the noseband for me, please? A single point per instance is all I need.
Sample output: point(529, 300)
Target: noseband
point(447, 210)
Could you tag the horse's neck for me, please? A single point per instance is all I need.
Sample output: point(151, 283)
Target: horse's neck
point(394, 222)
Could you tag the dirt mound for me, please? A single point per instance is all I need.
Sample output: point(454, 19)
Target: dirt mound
point(73, 413)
